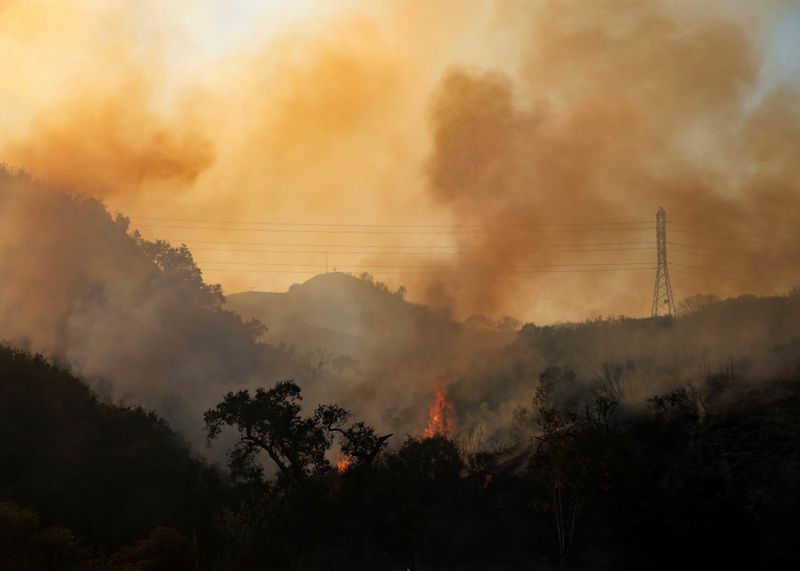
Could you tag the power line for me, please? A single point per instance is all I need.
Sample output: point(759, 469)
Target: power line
point(725, 232)
point(414, 232)
point(721, 272)
point(328, 245)
point(408, 226)
point(454, 270)
point(726, 277)
point(726, 238)
point(420, 253)
point(350, 269)
point(566, 226)
point(741, 256)
point(429, 267)
point(321, 247)
point(535, 268)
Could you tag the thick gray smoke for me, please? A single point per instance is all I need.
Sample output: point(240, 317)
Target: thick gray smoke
point(136, 319)
point(133, 317)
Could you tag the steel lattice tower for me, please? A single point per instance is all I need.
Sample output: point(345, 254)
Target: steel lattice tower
point(663, 302)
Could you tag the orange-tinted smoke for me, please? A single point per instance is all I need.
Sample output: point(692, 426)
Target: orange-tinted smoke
point(550, 112)
point(618, 108)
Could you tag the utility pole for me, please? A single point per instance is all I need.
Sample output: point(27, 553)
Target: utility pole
point(663, 302)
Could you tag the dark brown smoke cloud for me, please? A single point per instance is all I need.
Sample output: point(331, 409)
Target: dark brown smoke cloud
point(617, 109)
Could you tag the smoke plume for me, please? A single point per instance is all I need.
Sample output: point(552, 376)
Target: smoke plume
point(133, 317)
point(513, 116)
point(515, 133)
point(617, 109)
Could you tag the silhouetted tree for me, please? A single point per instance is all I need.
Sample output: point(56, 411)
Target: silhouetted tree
point(572, 449)
point(25, 545)
point(360, 442)
point(164, 549)
point(696, 303)
point(432, 466)
point(109, 473)
point(269, 421)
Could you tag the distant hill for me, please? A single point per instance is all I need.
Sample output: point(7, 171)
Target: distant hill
point(336, 312)
point(382, 356)
point(345, 315)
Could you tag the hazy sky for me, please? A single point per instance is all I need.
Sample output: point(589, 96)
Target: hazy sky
point(204, 119)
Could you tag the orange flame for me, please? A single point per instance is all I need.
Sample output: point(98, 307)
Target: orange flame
point(343, 463)
point(441, 416)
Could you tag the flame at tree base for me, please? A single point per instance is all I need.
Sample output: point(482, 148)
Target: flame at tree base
point(343, 463)
point(441, 416)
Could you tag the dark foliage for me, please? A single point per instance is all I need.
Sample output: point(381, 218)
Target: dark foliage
point(110, 474)
point(686, 482)
point(683, 484)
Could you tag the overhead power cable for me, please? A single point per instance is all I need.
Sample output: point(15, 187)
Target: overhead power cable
point(328, 245)
point(725, 238)
point(726, 232)
point(720, 272)
point(420, 253)
point(518, 243)
point(346, 269)
point(727, 277)
point(327, 230)
point(638, 223)
point(767, 261)
point(436, 268)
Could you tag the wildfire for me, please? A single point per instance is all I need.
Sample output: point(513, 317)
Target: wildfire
point(441, 416)
point(343, 463)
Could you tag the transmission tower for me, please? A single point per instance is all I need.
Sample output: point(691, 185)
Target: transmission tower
point(663, 302)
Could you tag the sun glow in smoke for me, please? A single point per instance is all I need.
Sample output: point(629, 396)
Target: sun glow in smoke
point(441, 416)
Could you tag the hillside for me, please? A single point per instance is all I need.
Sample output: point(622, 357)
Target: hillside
point(346, 315)
point(132, 317)
point(110, 474)
point(380, 355)
point(335, 312)
point(751, 338)
point(403, 352)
